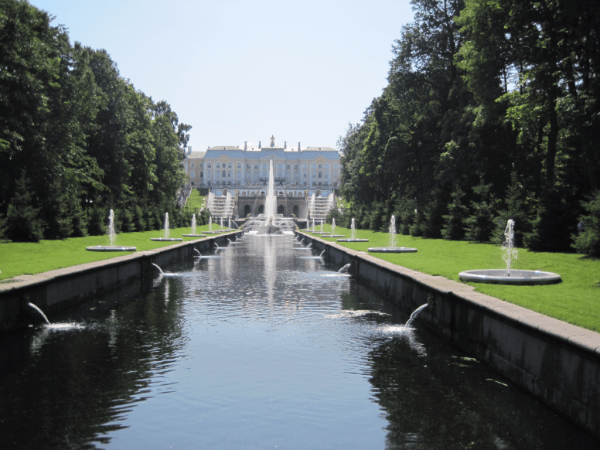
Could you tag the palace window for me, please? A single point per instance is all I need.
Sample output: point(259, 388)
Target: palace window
point(239, 165)
point(223, 174)
point(201, 174)
point(229, 165)
point(193, 164)
point(218, 166)
point(320, 174)
point(208, 166)
point(320, 166)
point(247, 166)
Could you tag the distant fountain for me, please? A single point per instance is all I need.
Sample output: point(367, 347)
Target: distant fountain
point(333, 235)
point(193, 233)
point(210, 230)
point(313, 205)
point(314, 228)
point(270, 222)
point(166, 232)
point(31, 305)
point(111, 239)
point(415, 314)
point(392, 241)
point(509, 275)
point(353, 234)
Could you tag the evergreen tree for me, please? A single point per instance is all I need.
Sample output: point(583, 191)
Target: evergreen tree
point(454, 221)
point(480, 224)
point(23, 223)
point(587, 240)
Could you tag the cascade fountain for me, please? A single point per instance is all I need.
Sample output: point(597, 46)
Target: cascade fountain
point(333, 235)
point(509, 275)
point(353, 234)
point(166, 236)
point(193, 233)
point(392, 247)
point(270, 222)
point(111, 238)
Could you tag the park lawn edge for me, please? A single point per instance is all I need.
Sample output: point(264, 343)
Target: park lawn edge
point(575, 300)
point(30, 258)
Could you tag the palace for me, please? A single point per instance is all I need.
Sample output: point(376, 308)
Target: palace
point(244, 174)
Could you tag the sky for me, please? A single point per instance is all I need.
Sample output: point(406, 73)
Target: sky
point(241, 71)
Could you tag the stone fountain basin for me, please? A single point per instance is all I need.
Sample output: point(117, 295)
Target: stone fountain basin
point(108, 248)
point(166, 239)
point(333, 235)
point(353, 240)
point(517, 277)
point(194, 235)
point(392, 250)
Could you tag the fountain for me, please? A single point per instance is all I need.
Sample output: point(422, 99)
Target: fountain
point(41, 313)
point(415, 314)
point(111, 238)
point(166, 236)
point(353, 234)
point(270, 222)
point(509, 275)
point(193, 234)
point(345, 269)
point(333, 235)
point(210, 230)
point(392, 242)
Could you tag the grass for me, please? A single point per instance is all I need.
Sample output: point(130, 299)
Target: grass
point(195, 201)
point(18, 258)
point(576, 300)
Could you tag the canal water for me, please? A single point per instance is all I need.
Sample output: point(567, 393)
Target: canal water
point(259, 346)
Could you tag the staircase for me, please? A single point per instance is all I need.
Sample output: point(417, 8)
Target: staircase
point(222, 206)
point(322, 206)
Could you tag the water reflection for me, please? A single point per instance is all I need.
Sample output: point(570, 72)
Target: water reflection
point(256, 349)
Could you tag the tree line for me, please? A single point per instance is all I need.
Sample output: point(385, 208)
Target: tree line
point(76, 138)
point(491, 112)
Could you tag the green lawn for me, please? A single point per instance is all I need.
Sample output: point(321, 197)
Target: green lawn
point(576, 300)
point(195, 201)
point(18, 258)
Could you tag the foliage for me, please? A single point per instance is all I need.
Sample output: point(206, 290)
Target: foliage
point(505, 89)
point(480, 224)
point(588, 240)
point(90, 137)
point(22, 221)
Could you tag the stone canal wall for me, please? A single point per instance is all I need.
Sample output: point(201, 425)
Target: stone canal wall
point(57, 289)
point(557, 362)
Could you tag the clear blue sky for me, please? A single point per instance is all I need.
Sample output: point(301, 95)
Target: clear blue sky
point(245, 70)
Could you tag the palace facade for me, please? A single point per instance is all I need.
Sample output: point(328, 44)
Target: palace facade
point(244, 173)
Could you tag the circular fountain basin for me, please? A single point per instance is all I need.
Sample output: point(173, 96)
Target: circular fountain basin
point(517, 277)
point(166, 239)
point(212, 232)
point(333, 235)
point(353, 240)
point(392, 250)
point(109, 248)
point(194, 235)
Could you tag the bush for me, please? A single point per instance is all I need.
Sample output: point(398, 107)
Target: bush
point(588, 240)
point(22, 219)
point(517, 206)
point(138, 218)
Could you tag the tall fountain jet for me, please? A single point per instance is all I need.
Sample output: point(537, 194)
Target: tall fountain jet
point(271, 202)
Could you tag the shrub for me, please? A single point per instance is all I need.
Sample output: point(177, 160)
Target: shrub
point(588, 240)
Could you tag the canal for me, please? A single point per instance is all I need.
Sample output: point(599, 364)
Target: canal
point(260, 345)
